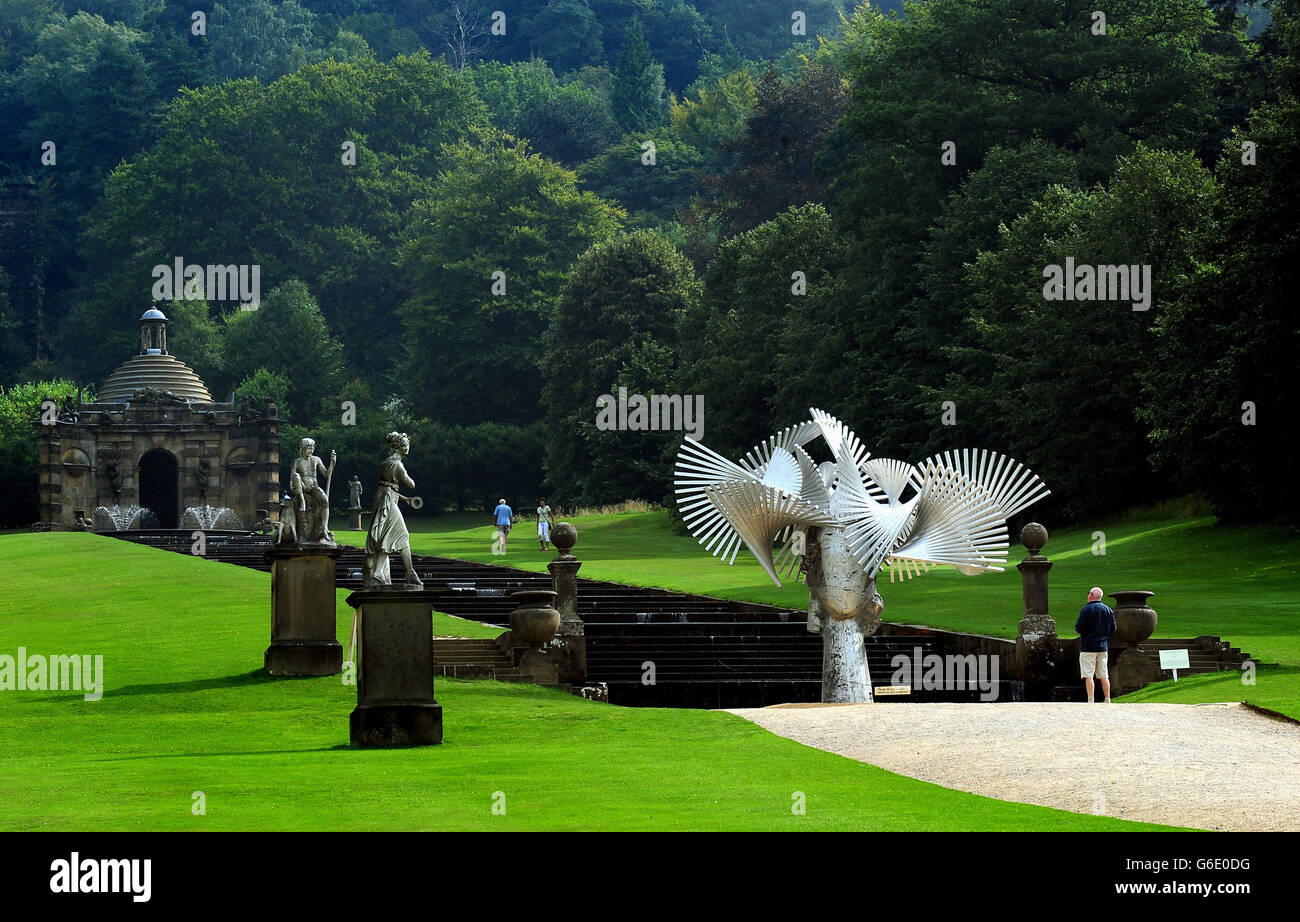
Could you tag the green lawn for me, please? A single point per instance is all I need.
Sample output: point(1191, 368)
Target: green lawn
point(1241, 583)
point(187, 709)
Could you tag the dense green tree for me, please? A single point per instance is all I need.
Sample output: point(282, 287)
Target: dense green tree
point(257, 38)
point(1066, 380)
point(774, 156)
point(277, 193)
point(714, 115)
point(178, 58)
point(470, 467)
point(20, 411)
point(499, 217)
point(287, 336)
point(639, 101)
point(89, 88)
point(128, 12)
point(651, 192)
point(570, 127)
point(615, 326)
point(678, 35)
point(943, 74)
point(512, 90)
point(565, 33)
point(21, 21)
point(13, 332)
point(759, 30)
point(383, 34)
point(1227, 355)
point(748, 345)
point(195, 337)
point(263, 385)
point(934, 351)
point(349, 46)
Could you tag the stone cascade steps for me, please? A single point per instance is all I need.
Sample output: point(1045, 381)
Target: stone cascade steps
point(707, 652)
point(473, 658)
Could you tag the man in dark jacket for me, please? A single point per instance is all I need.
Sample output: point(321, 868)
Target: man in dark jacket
point(1095, 624)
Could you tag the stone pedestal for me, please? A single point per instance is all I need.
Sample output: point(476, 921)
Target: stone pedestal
point(1037, 643)
point(304, 636)
point(395, 703)
point(1131, 669)
point(571, 638)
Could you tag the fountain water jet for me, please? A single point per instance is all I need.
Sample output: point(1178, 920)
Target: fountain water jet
point(124, 518)
point(207, 517)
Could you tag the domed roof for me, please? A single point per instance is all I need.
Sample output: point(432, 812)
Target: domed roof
point(159, 371)
point(153, 368)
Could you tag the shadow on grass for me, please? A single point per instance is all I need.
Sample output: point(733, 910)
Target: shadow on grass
point(243, 680)
point(151, 756)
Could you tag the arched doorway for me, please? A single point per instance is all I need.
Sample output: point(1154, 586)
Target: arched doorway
point(159, 488)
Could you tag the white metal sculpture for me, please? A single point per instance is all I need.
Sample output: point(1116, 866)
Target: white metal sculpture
point(844, 520)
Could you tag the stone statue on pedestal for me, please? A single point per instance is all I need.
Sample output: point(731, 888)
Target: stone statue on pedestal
point(311, 502)
point(387, 527)
point(354, 502)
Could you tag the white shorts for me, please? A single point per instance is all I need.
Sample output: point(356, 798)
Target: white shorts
point(1090, 663)
point(544, 530)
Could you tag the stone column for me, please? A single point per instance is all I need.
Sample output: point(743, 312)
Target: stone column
point(304, 636)
point(395, 703)
point(571, 638)
point(1036, 640)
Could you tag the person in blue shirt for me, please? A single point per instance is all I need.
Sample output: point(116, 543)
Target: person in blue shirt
point(503, 516)
point(1095, 624)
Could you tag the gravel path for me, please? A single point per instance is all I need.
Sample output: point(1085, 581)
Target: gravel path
point(1210, 766)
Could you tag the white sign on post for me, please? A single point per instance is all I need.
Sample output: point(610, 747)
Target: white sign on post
point(1175, 660)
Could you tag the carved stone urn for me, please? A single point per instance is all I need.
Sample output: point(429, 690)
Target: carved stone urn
point(1135, 621)
point(535, 618)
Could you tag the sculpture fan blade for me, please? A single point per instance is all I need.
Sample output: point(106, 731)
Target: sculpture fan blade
point(1012, 486)
point(724, 504)
point(893, 477)
point(759, 513)
point(787, 439)
point(699, 468)
point(957, 522)
point(782, 471)
point(956, 514)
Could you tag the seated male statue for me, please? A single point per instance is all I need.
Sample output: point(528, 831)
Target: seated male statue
point(313, 500)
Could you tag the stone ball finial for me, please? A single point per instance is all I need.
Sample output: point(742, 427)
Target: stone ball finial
point(564, 536)
point(1033, 536)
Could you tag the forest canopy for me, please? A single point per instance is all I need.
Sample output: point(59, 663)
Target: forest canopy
point(481, 217)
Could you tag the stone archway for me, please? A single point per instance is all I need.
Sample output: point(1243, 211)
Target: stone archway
point(160, 487)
